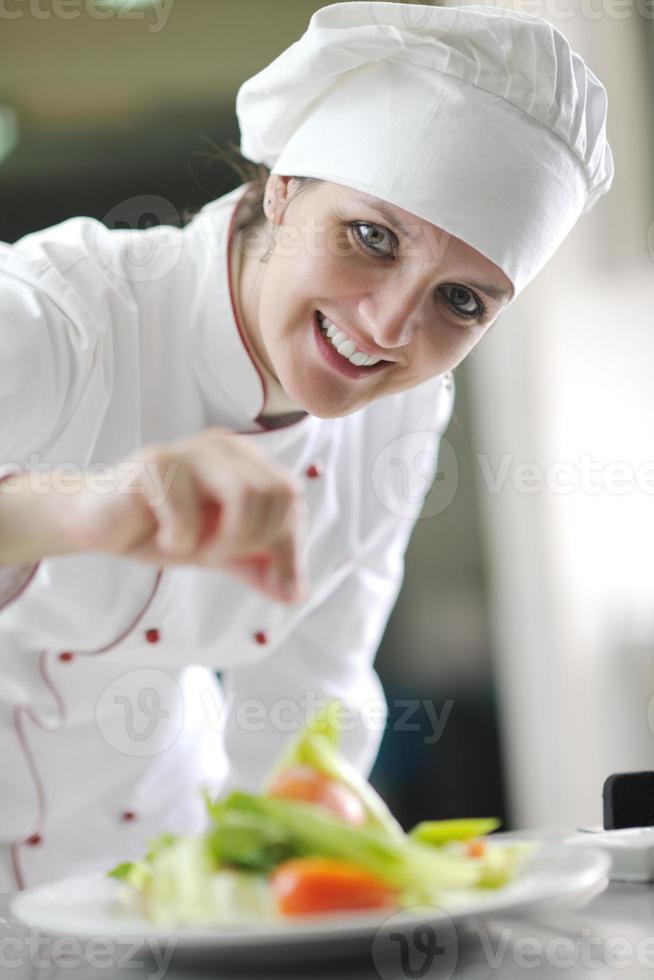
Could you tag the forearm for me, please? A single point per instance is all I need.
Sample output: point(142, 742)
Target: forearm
point(35, 520)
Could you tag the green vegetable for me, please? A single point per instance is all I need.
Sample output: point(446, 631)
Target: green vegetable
point(317, 746)
point(178, 883)
point(500, 864)
point(122, 871)
point(441, 831)
point(138, 873)
point(304, 829)
point(246, 840)
point(160, 843)
point(175, 882)
point(221, 876)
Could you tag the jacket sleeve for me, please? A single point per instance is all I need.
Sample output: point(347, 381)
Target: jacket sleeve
point(330, 654)
point(46, 362)
point(36, 353)
point(64, 313)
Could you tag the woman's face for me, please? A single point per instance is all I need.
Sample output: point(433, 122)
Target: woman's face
point(396, 286)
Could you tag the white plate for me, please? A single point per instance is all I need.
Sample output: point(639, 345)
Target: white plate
point(631, 850)
point(555, 876)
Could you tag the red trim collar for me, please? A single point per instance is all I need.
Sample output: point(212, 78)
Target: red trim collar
point(270, 422)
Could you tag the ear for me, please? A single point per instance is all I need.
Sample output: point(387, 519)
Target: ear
point(278, 189)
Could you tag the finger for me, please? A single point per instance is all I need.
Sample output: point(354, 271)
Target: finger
point(173, 498)
point(281, 502)
point(211, 520)
point(254, 504)
point(224, 530)
point(287, 571)
point(255, 572)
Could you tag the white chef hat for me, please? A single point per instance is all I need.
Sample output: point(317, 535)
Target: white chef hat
point(480, 120)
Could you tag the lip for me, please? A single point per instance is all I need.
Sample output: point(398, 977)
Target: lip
point(361, 345)
point(334, 359)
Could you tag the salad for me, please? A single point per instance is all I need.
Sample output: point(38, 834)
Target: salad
point(318, 839)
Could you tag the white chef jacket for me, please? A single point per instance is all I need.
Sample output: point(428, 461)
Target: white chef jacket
point(111, 714)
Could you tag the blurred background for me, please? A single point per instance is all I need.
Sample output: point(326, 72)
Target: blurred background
point(526, 620)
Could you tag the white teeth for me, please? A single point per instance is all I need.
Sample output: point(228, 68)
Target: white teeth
point(345, 347)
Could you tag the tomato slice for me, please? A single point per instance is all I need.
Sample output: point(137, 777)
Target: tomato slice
point(310, 786)
point(476, 848)
point(305, 886)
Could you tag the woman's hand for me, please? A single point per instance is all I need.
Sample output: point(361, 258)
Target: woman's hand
point(213, 500)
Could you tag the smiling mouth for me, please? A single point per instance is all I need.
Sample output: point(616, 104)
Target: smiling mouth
point(345, 347)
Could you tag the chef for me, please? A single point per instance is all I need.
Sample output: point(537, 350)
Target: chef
point(213, 438)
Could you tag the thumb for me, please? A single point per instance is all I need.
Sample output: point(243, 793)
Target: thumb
point(268, 572)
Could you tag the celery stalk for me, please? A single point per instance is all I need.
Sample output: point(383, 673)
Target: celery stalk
point(441, 831)
point(317, 746)
point(311, 831)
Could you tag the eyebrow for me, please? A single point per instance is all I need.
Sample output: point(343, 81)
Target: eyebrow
point(381, 208)
point(495, 292)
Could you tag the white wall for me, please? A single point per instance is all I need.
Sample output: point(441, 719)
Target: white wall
point(568, 373)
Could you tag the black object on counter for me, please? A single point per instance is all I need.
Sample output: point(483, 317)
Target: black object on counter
point(628, 799)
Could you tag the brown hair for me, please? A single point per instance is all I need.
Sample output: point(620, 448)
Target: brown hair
point(250, 212)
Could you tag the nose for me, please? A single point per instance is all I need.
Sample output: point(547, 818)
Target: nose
point(391, 315)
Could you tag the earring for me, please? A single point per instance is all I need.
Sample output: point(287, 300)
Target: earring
point(268, 253)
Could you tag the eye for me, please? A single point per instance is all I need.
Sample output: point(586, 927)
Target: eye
point(371, 241)
point(460, 298)
point(371, 235)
